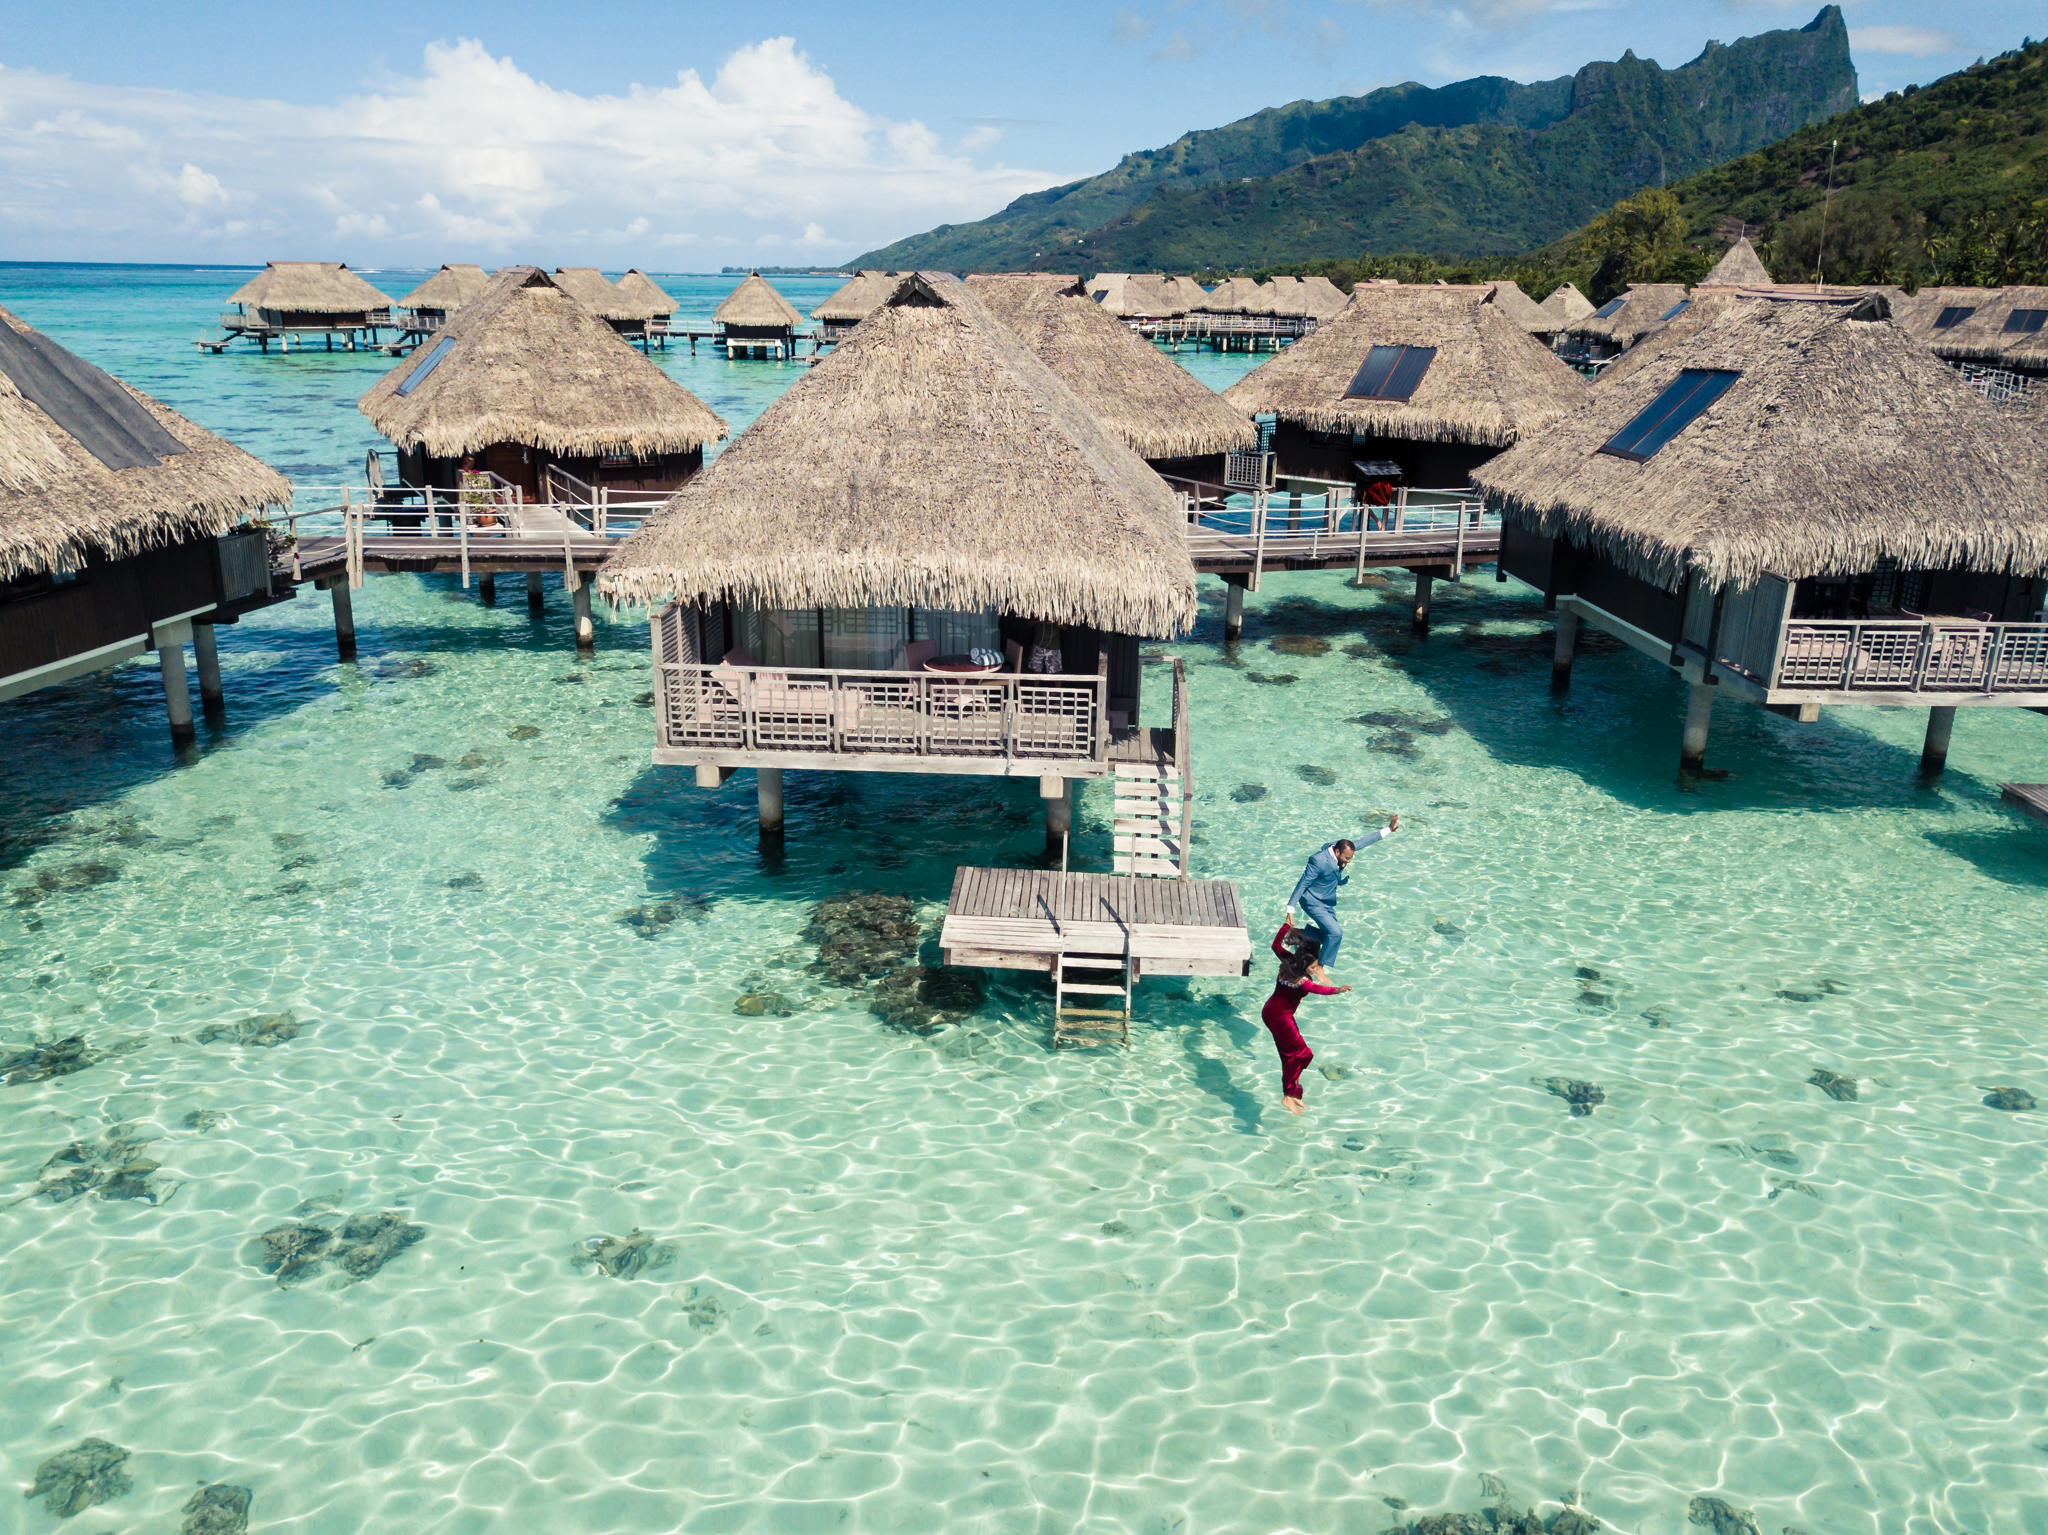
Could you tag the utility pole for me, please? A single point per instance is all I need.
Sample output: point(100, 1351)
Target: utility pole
point(1820, 252)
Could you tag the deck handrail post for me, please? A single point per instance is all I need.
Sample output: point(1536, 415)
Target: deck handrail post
point(462, 535)
point(1102, 703)
point(1400, 508)
point(1458, 569)
point(1995, 644)
point(1259, 538)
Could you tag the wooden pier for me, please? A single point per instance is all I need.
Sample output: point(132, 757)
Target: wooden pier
point(2027, 798)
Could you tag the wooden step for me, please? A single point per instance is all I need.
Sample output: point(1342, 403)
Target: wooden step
point(1159, 868)
point(1144, 826)
point(1144, 770)
point(1090, 989)
point(1088, 1012)
point(1149, 809)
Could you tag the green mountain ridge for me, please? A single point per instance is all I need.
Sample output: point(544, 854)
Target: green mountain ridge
point(1482, 165)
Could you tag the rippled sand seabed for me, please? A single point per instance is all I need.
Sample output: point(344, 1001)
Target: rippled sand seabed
point(426, 935)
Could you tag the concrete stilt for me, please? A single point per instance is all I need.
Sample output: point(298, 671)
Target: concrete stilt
point(487, 589)
point(1233, 613)
point(586, 632)
point(211, 698)
point(1567, 647)
point(1699, 709)
point(170, 649)
point(533, 591)
point(1934, 751)
point(1424, 582)
point(769, 789)
point(1059, 813)
point(344, 619)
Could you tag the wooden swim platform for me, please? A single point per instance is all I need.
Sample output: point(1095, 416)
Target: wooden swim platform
point(1072, 926)
point(2028, 798)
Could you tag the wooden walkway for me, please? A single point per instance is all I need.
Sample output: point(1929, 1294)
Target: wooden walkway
point(1024, 919)
point(2028, 798)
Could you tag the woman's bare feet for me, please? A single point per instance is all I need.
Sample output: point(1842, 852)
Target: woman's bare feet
point(1294, 1106)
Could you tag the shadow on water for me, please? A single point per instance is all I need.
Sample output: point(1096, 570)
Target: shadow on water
point(1194, 1025)
point(1485, 662)
point(2016, 854)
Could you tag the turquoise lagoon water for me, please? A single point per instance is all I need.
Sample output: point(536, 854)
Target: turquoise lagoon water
point(426, 935)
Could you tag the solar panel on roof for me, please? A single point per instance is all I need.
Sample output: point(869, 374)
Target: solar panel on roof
point(1953, 316)
point(88, 404)
point(1390, 373)
point(1677, 309)
point(2026, 321)
point(1676, 407)
point(1608, 310)
point(432, 360)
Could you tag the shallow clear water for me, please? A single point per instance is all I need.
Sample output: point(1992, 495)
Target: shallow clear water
point(954, 1280)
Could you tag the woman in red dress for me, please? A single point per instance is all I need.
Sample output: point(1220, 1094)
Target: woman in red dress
point(1298, 971)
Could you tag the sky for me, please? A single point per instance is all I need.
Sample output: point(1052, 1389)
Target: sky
point(681, 137)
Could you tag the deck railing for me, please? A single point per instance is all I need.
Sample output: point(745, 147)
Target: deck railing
point(1912, 656)
point(1297, 520)
point(1002, 716)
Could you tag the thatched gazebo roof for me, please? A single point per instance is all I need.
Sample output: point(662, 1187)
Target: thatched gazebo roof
point(449, 289)
point(1234, 295)
point(1188, 295)
point(1842, 442)
point(642, 291)
point(91, 466)
point(756, 303)
point(1324, 299)
point(1486, 386)
point(1643, 309)
point(1133, 294)
point(1286, 298)
point(930, 460)
point(1740, 267)
point(858, 297)
point(527, 363)
point(309, 287)
point(1566, 304)
point(1522, 309)
point(1152, 403)
point(598, 293)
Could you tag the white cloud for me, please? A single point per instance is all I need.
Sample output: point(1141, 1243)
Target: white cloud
point(1913, 42)
point(475, 153)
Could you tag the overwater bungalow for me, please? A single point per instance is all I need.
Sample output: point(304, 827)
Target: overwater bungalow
point(1798, 506)
point(624, 312)
point(1236, 295)
point(1136, 295)
point(304, 298)
point(1322, 299)
point(852, 585)
point(544, 396)
point(1524, 310)
point(653, 301)
point(1995, 337)
point(1739, 267)
point(755, 320)
point(428, 306)
point(1167, 417)
point(1412, 385)
point(1564, 305)
point(1616, 325)
point(1703, 308)
point(121, 527)
point(853, 302)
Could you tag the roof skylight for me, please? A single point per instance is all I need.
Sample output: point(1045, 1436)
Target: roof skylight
point(1390, 373)
point(1675, 408)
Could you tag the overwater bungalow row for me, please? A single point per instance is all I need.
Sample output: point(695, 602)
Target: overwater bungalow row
point(1565, 305)
point(427, 307)
point(1592, 341)
point(757, 321)
point(627, 313)
point(1995, 337)
point(927, 556)
point(123, 528)
point(303, 298)
point(1800, 506)
point(1398, 399)
point(860, 296)
point(653, 301)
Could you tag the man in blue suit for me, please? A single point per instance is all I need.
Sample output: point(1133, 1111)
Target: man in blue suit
point(1316, 891)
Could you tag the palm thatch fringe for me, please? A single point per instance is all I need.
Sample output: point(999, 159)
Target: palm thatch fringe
point(1489, 384)
point(1842, 443)
point(1151, 402)
point(308, 287)
point(755, 303)
point(60, 506)
point(448, 289)
point(1739, 267)
point(858, 298)
point(930, 460)
point(1566, 304)
point(645, 294)
point(527, 363)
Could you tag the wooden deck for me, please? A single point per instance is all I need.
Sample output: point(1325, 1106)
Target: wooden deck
point(2028, 798)
point(1024, 919)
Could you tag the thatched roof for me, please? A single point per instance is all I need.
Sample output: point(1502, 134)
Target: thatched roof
point(597, 293)
point(1324, 299)
point(450, 288)
point(1134, 294)
point(1981, 336)
point(755, 302)
point(527, 363)
point(930, 460)
point(1842, 442)
point(642, 291)
point(1741, 266)
point(309, 287)
point(1188, 295)
point(858, 298)
point(61, 502)
point(1703, 309)
point(1286, 298)
point(1234, 295)
point(1488, 384)
point(1643, 309)
point(1522, 309)
point(1566, 304)
point(1152, 403)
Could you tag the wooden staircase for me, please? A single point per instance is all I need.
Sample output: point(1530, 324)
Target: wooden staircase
point(1095, 1018)
point(1148, 835)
